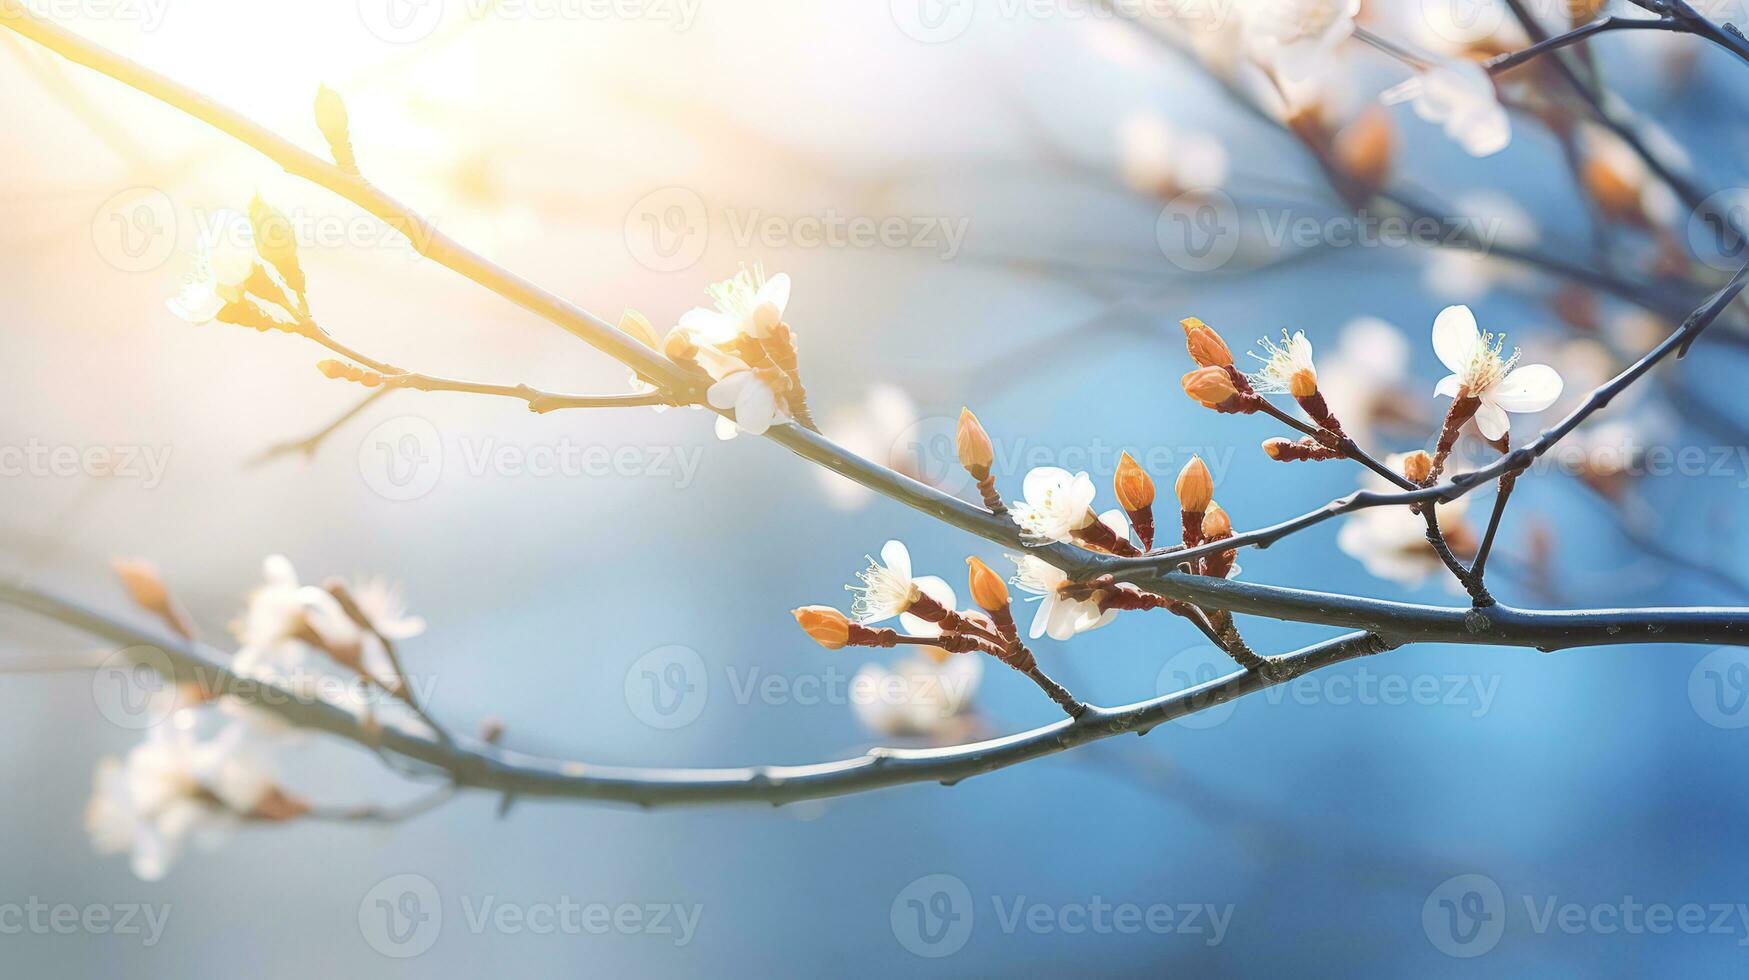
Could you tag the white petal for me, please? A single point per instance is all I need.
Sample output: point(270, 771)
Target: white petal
point(725, 393)
point(776, 292)
point(1448, 387)
point(1041, 480)
point(1491, 420)
point(1041, 619)
point(710, 326)
point(727, 429)
point(1531, 388)
point(1062, 622)
point(1455, 336)
point(1118, 521)
point(755, 408)
point(897, 559)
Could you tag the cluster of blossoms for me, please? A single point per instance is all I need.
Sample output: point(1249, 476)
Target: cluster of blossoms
point(205, 765)
point(1057, 507)
point(246, 272)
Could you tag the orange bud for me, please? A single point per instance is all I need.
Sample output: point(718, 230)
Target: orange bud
point(1216, 524)
point(976, 451)
point(1303, 384)
point(1206, 347)
point(1195, 486)
point(988, 589)
point(1211, 386)
point(145, 586)
point(1133, 485)
point(1273, 448)
point(827, 626)
point(1363, 148)
point(1613, 193)
point(1418, 466)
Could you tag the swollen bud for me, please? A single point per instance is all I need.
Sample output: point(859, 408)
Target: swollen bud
point(1133, 485)
point(1363, 149)
point(1206, 347)
point(145, 586)
point(988, 589)
point(1196, 488)
point(977, 453)
point(639, 326)
point(1211, 386)
point(1216, 525)
point(827, 626)
point(1418, 466)
point(332, 120)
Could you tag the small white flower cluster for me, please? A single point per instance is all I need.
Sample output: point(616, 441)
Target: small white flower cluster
point(206, 767)
point(1296, 43)
point(240, 262)
point(743, 342)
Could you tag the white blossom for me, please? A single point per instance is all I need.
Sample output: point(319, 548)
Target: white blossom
point(1158, 159)
point(172, 788)
point(924, 694)
point(1296, 37)
point(1057, 503)
point(223, 261)
point(1458, 95)
point(1480, 369)
point(757, 407)
point(747, 304)
point(1059, 617)
point(1282, 362)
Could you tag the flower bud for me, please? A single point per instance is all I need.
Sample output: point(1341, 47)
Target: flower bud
point(1363, 149)
point(1196, 488)
point(1216, 524)
point(638, 325)
point(988, 589)
point(145, 586)
point(1273, 448)
point(679, 346)
point(1211, 386)
point(975, 449)
point(1133, 485)
point(336, 127)
point(1303, 383)
point(827, 626)
point(1206, 347)
point(1418, 466)
point(1615, 195)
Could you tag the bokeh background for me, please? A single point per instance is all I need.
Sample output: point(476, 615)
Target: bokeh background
point(618, 160)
